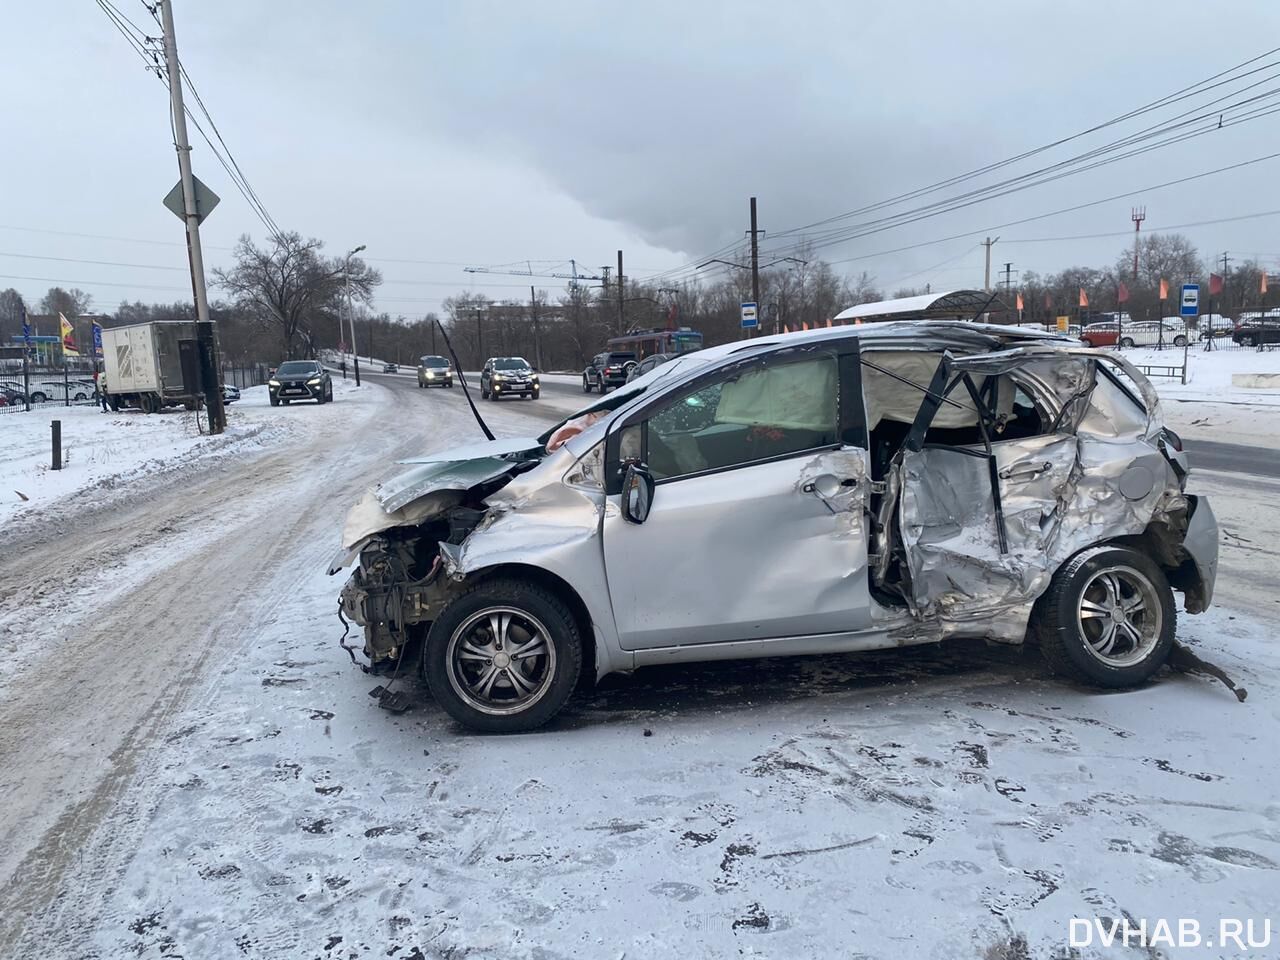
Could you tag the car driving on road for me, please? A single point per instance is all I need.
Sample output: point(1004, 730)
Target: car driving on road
point(390, 368)
point(509, 376)
point(647, 364)
point(435, 371)
point(608, 369)
point(835, 490)
point(300, 380)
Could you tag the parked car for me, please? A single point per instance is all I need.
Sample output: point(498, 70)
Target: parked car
point(13, 389)
point(434, 371)
point(1211, 326)
point(1140, 333)
point(608, 369)
point(300, 380)
point(57, 390)
point(390, 368)
point(1255, 330)
point(230, 394)
point(507, 376)
point(795, 494)
point(647, 364)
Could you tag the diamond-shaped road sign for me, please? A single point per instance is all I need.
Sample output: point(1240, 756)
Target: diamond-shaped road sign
point(206, 200)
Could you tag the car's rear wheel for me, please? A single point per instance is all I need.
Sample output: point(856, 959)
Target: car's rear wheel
point(503, 657)
point(1126, 342)
point(1179, 341)
point(1108, 618)
point(38, 397)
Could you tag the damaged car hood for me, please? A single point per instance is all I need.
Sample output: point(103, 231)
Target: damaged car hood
point(431, 485)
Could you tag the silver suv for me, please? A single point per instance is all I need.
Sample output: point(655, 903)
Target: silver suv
point(842, 489)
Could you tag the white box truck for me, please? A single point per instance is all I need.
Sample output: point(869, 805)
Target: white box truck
point(151, 365)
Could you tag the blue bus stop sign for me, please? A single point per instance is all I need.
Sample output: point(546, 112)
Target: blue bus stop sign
point(1191, 300)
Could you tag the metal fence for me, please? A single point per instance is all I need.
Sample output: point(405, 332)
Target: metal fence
point(46, 385)
point(61, 386)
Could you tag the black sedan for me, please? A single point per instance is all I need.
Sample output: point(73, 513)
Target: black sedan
point(300, 380)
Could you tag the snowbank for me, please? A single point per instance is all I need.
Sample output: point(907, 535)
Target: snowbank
point(105, 451)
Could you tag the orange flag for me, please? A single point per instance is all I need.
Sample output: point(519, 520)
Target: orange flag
point(1164, 289)
point(1084, 298)
point(1019, 303)
point(1262, 286)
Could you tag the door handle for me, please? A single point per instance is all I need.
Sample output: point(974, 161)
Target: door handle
point(827, 485)
point(1025, 471)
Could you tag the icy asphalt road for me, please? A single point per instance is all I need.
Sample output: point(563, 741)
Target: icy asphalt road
point(192, 767)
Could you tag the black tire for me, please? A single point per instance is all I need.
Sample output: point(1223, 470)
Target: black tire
point(275, 401)
point(535, 395)
point(1250, 341)
point(586, 385)
point(38, 397)
point(285, 402)
point(80, 396)
point(559, 668)
point(1059, 618)
point(1126, 342)
point(1179, 341)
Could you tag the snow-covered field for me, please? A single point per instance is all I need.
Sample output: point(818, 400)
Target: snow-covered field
point(193, 767)
point(106, 451)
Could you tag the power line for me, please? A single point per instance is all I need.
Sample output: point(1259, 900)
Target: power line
point(101, 263)
point(1071, 209)
point(1017, 184)
point(1167, 100)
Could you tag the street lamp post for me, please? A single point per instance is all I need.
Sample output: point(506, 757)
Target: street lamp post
point(351, 318)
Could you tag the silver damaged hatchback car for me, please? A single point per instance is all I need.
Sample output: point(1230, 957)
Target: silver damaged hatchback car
point(853, 488)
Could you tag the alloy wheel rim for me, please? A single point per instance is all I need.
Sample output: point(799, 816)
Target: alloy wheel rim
point(501, 660)
point(1120, 616)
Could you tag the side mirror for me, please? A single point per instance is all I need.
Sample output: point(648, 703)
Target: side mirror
point(637, 493)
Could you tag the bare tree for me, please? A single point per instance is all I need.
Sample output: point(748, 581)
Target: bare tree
point(71, 302)
point(291, 287)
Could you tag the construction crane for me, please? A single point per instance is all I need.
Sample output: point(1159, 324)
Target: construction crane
point(513, 270)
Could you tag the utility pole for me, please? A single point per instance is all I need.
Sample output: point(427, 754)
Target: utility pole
point(755, 259)
point(537, 339)
point(622, 323)
point(986, 275)
point(351, 314)
point(1008, 277)
point(195, 255)
point(1137, 216)
point(479, 341)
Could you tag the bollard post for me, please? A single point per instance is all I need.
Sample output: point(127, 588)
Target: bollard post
point(56, 427)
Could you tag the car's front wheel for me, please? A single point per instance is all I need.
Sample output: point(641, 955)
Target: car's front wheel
point(586, 384)
point(503, 657)
point(1108, 618)
point(1179, 341)
point(1126, 342)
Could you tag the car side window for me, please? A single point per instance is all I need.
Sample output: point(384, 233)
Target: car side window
point(761, 412)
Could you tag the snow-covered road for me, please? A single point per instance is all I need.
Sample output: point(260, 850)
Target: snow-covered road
point(192, 766)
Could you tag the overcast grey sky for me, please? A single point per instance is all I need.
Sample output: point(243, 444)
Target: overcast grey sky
point(482, 133)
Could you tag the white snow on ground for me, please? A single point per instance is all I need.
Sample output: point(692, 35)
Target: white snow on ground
point(938, 803)
point(109, 450)
point(907, 804)
point(1209, 373)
